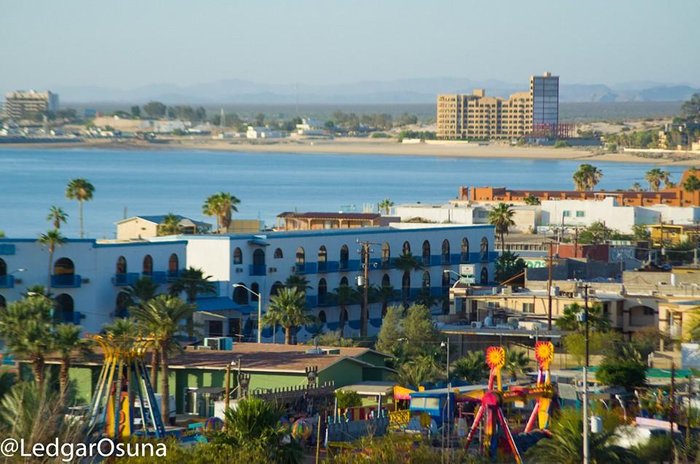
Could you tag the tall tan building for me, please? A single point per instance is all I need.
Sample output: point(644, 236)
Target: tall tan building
point(25, 105)
point(465, 116)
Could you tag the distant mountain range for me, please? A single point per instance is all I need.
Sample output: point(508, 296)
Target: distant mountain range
point(396, 91)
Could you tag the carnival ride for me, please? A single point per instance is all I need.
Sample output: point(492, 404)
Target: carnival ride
point(122, 380)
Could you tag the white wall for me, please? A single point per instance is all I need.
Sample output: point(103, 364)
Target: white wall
point(585, 212)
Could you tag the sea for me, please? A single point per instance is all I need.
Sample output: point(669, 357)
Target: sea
point(134, 182)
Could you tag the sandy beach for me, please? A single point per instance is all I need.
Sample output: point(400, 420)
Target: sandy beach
point(363, 146)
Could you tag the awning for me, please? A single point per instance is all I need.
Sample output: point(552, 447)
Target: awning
point(221, 303)
point(258, 242)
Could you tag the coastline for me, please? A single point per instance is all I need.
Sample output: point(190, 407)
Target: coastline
point(362, 146)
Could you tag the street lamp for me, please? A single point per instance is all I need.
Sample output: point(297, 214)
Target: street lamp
point(446, 432)
point(586, 457)
point(259, 308)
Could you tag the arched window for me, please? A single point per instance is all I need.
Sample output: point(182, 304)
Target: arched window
point(278, 253)
point(406, 285)
point(464, 256)
point(121, 265)
point(64, 273)
point(484, 276)
point(276, 287)
point(64, 311)
point(322, 317)
point(122, 305)
point(406, 249)
point(343, 319)
point(322, 258)
point(343, 281)
point(386, 280)
point(148, 265)
point(445, 292)
point(300, 259)
point(484, 249)
point(344, 257)
point(240, 295)
point(322, 291)
point(426, 253)
point(256, 288)
point(426, 280)
point(3, 267)
point(237, 256)
point(445, 252)
point(259, 257)
point(173, 265)
point(386, 255)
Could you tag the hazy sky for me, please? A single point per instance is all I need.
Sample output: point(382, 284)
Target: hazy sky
point(129, 43)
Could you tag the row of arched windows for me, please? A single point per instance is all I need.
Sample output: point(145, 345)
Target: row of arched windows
point(147, 265)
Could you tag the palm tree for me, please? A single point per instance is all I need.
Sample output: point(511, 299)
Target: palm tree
point(517, 363)
point(126, 329)
point(161, 317)
point(193, 282)
point(501, 217)
point(51, 240)
point(587, 177)
point(300, 282)
point(637, 187)
point(81, 190)
point(569, 320)
point(221, 205)
point(407, 263)
point(57, 216)
point(691, 183)
point(385, 206)
point(142, 290)
point(418, 371)
point(471, 367)
point(532, 200)
point(170, 225)
point(344, 296)
point(566, 443)
point(655, 177)
point(25, 325)
point(287, 309)
point(66, 340)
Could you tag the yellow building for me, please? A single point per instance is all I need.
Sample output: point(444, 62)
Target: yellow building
point(673, 234)
point(465, 116)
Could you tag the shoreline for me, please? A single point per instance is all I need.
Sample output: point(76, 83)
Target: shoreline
point(355, 146)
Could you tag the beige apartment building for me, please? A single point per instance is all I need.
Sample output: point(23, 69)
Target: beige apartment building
point(24, 105)
point(475, 115)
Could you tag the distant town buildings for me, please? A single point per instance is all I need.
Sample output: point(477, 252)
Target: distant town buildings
point(534, 113)
point(26, 105)
point(324, 220)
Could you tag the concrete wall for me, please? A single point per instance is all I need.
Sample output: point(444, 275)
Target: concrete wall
point(136, 228)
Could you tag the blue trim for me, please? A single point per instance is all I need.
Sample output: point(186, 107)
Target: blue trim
point(7, 281)
point(66, 281)
point(124, 280)
point(257, 269)
point(7, 249)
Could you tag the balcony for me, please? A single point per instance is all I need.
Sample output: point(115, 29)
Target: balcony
point(66, 281)
point(305, 268)
point(257, 269)
point(7, 281)
point(172, 275)
point(158, 277)
point(123, 280)
point(68, 317)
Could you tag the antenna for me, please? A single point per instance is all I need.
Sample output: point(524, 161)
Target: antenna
point(222, 119)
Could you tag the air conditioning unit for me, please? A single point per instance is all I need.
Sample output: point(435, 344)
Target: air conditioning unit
point(238, 270)
point(219, 343)
point(477, 324)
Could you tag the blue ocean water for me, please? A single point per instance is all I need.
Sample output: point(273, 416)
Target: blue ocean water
point(134, 182)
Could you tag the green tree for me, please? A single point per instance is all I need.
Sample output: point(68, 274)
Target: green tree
point(566, 443)
point(287, 309)
point(597, 320)
point(67, 339)
point(161, 318)
point(192, 282)
point(407, 263)
point(385, 206)
point(595, 233)
point(517, 363)
point(57, 217)
point(136, 112)
point(598, 343)
point(154, 109)
point(417, 371)
point(623, 369)
point(142, 290)
point(501, 217)
point(690, 110)
point(640, 232)
point(655, 177)
point(51, 240)
point(587, 177)
point(82, 191)
point(26, 328)
point(170, 225)
point(509, 265)
point(420, 331)
point(344, 296)
point(389, 339)
point(532, 200)
point(348, 399)
point(221, 205)
point(299, 282)
point(691, 183)
point(472, 367)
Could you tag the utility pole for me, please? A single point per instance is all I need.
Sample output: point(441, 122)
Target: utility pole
point(549, 286)
point(672, 412)
point(586, 453)
point(364, 282)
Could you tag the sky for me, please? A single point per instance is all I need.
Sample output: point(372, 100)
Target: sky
point(131, 43)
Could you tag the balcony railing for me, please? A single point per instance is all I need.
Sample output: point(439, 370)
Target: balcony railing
point(158, 277)
point(66, 281)
point(125, 279)
point(305, 268)
point(7, 281)
point(258, 270)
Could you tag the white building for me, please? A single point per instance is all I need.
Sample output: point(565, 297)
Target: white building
point(89, 278)
point(311, 127)
point(526, 217)
point(263, 133)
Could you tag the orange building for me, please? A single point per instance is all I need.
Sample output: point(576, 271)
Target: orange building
point(674, 196)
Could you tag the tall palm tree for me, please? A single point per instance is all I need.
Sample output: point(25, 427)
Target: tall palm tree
point(418, 371)
point(57, 217)
point(407, 263)
point(655, 177)
point(81, 190)
point(300, 282)
point(66, 340)
point(142, 290)
point(287, 309)
point(51, 240)
point(344, 296)
point(587, 177)
point(471, 367)
point(161, 318)
point(385, 206)
point(25, 325)
point(501, 217)
point(170, 225)
point(221, 205)
point(517, 363)
point(192, 282)
point(126, 329)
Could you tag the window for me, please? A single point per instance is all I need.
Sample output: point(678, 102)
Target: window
point(528, 307)
point(464, 256)
point(256, 288)
point(344, 257)
point(278, 254)
point(300, 257)
point(237, 256)
point(386, 254)
point(566, 213)
point(580, 214)
point(121, 265)
point(426, 280)
point(426, 253)
point(648, 311)
point(173, 264)
point(259, 257)
point(322, 291)
point(445, 251)
point(240, 294)
point(406, 248)
point(322, 254)
point(148, 265)
point(484, 249)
